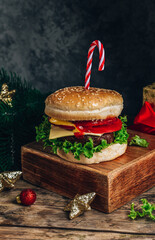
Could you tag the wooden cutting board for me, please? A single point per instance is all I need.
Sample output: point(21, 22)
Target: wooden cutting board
point(116, 182)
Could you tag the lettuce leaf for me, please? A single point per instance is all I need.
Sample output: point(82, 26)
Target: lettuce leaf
point(121, 136)
point(147, 210)
point(88, 149)
point(136, 140)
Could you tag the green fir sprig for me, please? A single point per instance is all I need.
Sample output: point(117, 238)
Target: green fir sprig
point(17, 122)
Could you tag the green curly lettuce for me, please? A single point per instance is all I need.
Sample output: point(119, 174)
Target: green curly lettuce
point(147, 210)
point(137, 141)
point(87, 149)
point(121, 136)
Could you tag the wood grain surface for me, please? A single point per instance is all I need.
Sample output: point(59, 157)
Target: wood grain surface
point(47, 220)
point(14, 233)
point(115, 182)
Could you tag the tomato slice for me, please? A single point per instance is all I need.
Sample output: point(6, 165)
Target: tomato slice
point(97, 122)
point(99, 126)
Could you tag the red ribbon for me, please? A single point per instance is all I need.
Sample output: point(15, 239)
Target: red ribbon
point(145, 120)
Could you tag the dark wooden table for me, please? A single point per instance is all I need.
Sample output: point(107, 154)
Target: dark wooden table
point(47, 220)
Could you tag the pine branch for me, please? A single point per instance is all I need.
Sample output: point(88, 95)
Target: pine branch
point(18, 122)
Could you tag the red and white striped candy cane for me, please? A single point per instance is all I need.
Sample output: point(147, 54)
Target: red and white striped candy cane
point(90, 58)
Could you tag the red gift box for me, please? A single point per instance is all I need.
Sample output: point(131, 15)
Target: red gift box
point(145, 120)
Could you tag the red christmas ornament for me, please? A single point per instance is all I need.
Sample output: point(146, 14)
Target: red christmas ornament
point(27, 197)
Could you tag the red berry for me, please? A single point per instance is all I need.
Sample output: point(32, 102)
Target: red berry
point(27, 197)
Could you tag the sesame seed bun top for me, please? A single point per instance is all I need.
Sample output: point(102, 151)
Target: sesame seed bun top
point(78, 103)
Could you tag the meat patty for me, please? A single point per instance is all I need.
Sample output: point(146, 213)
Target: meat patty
point(109, 137)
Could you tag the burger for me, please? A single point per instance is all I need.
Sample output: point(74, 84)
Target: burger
point(83, 125)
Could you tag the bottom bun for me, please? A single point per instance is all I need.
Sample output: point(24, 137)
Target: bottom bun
point(113, 151)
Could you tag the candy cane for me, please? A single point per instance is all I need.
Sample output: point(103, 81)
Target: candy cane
point(89, 60)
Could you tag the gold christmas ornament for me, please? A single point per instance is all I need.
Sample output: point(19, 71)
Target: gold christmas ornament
point(80, 204)
point(8, 179)
point(6, 95)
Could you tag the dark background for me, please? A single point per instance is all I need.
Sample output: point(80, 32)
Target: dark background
point(46, 42)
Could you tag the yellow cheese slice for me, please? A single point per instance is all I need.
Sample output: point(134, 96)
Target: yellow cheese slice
point(57, 132)
point(61, 122)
